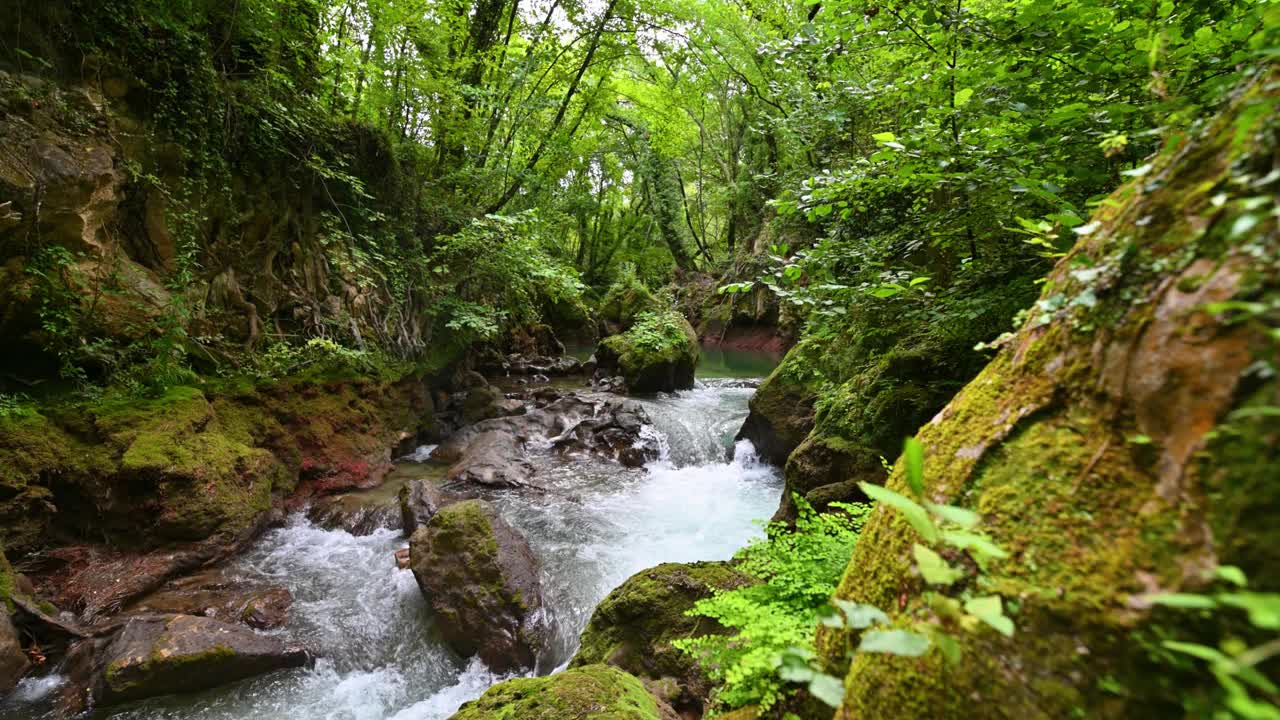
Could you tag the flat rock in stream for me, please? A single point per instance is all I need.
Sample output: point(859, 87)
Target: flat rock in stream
point(219, 595)
point(184, 653)
point(481, 579)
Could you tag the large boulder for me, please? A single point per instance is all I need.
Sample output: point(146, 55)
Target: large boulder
point(182, 654)
point(1122, 444)
point(633, 627)
point(781, 410)
point(658, 354)
point(594, 692)
point(481, 579)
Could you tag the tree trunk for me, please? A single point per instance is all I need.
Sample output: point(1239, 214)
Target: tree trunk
point(1110, 448)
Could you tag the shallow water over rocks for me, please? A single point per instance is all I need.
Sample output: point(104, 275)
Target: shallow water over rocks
point(592, 524)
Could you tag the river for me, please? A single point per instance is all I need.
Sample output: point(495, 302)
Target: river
point(369, 625)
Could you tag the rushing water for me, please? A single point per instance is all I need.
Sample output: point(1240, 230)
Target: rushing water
point(598, 524)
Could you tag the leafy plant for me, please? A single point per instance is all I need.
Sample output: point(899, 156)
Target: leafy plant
point(1246, 692)
point(798, 571)
point(949, 534)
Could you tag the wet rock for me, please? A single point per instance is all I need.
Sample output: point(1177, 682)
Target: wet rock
point(402, 559)
point(487, 402)
point(182, 654)
point(420, 500)
point(481, 579)
point(355, 513)
point(13, 661)
point(633, 627)
point(219, 595)
point(594, 692)
point(781, 412)
point(494, 458)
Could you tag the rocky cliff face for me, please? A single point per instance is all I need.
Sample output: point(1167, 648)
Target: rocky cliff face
point(1117, 447)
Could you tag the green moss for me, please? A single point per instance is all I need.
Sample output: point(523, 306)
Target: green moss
point(634, 625)
point(658, 353)
point(6, 580)
point(593, 692)
point(1039, 444)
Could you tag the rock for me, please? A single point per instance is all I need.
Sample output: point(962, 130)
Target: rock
point(182, 654)
point(481, 579)
point(593, 692)
point(267, 609)
point(632, 628)
point(13, 661)
point(420, 500)
point(219, 595)
point(402, 559)
point(485, 402)
point(356, 513)
point(650, 365)
point(781, 410)
point(1117, 449)
point(493, 458)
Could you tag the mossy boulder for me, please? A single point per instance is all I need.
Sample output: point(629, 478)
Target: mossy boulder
point(658, 354)
point(593, 692)
point(13, 661)
point(1114, 447)
point(781, 409)
point(623, 301)
point(183, 654)
point(633, 627)
point(481, 580)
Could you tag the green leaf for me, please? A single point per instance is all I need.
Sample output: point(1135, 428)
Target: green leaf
point(977, 544)
point(894, 642)
point(884, 137)
point(913, 460)
point(1184, 601)
point(952, 514)
point(962, 97)
point(948, 646)
point(1263, 608)
point(933, 568)
point(827, 688)
point(1200, 651)
point(1231, 574)
point(858, 615)
point(990, 610)
point(916, 515)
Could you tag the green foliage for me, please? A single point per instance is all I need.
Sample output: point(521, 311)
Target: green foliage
point(1245, 690)
point(318, 356)
point(952, 562)
point(799, 570)
point(657, 331)
point(498, 272)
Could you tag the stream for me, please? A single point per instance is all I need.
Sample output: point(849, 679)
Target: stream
point(370, 627)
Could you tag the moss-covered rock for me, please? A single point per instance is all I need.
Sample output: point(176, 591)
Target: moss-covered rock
point(481, 580)
point(194, 463)
point(1108, 447)
point(623, 301)
point(781, 410)
point(593, 692)
point(184, 654)
point(658, 354)
point(13, 662)
point(633, 627)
